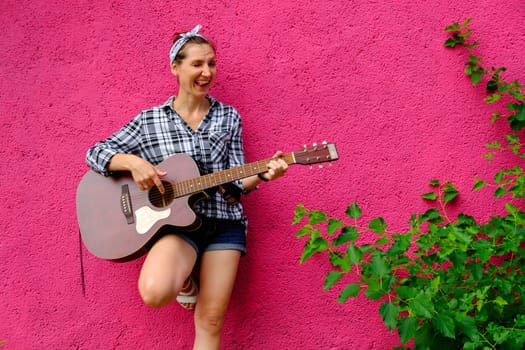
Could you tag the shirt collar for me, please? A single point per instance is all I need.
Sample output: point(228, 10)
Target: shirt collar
point(169, 103)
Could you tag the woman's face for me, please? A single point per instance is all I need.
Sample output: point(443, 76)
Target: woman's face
point(196, 73)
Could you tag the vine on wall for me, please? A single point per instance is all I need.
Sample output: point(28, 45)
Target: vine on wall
point(444, 283)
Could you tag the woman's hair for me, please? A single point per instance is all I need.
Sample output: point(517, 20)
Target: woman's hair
point(194, 40)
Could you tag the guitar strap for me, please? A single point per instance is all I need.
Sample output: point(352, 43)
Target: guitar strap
point(230, 192)
point(82, 279)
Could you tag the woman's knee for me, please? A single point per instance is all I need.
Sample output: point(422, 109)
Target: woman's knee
point(210, 320)
point(156, 293)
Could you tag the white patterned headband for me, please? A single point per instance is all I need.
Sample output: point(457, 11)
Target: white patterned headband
point(184, 38)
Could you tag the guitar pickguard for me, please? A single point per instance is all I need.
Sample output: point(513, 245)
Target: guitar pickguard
point(147, 217)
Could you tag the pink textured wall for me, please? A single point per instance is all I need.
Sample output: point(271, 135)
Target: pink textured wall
point(371, 76)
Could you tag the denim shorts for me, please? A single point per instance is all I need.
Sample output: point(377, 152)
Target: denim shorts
point(217, 234)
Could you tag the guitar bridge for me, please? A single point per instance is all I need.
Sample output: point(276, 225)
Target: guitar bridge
point(125, 205)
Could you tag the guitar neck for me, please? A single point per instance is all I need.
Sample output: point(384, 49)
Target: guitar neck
point(201, 183)
point(306, 156)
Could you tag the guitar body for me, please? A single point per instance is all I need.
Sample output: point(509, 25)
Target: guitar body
point(105, 229)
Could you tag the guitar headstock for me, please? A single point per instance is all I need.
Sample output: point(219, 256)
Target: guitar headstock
point(325, 152)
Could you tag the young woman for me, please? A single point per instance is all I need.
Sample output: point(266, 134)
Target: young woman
point(195, 123)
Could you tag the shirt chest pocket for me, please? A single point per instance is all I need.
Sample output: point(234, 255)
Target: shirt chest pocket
point(218, 143)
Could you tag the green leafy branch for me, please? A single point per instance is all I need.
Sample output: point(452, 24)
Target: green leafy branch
point(496, 86)
point(444, 194)
point(443, 283)
point(510, 180)
point(436, 285)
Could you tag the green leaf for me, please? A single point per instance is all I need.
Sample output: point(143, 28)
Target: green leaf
point(320, 244)
point(351, 290)
point(453, 27)
point(492, 86)
point(495, 117)
point(406, 292)
point(374, 290)
point(473, 345)
point(516, 94)
point(500, 191)
point(434, 284)
point(422, 305)
point(336, 258)
point(512, 138)
point(431, 215)
point(314, 245)
point(366, 248)
point(520, 115)
point(300, 212)
point(478, 184)
point(355, 255)
point(492, 98)
point(511, 208)
point(493, 145)
point(500, 301)
point(389, 313)
point(424, 337)
point(499, 176)
point(344, 264)
point(407, 327)
point(379, 265)
point(400, 245)
point(451, 43)
point(316, 217)
point(303, 231)
point(513, 106)
point(434, 183)
point(445, 325)
point(348, 233)
point(430, 196)
point(449, 187)
point(448, 197)
point(332, 278)
point(353, 211)
point(382, 241)
point(333, 225)
point(483, 250)
point(476, 77)
point(460, 235)
point(308, 251)
point(377, 225)
point(466, 22)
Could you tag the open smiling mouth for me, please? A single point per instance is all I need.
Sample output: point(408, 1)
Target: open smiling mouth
point(202, 83)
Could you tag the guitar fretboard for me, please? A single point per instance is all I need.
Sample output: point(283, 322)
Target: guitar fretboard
point(201, 183)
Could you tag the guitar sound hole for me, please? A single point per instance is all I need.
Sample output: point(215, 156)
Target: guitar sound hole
point(160, 200)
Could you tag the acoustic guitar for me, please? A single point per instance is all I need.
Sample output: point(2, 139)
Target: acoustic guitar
point(119, 222)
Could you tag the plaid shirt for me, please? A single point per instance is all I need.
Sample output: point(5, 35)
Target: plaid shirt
point(159, 132)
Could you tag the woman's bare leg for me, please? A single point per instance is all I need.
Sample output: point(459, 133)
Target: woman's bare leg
point(165, 269)
point(217, 277)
